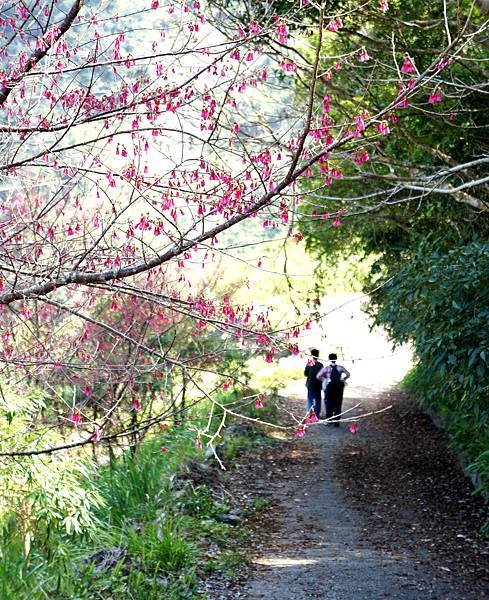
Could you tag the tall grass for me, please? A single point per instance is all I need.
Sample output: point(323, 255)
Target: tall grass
point(136, 517)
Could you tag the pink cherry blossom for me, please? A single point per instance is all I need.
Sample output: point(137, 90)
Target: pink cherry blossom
point(408, 65)
point(300, 431)
point(282, 31)
point(444, 62)
point(136, 405)
point(360, 156)
point(384, 5)
point(335, 25)
point(360, 123)
point(383, 128)
point(198, 442)
point(353, 428)
point(435, 97)
point(254, 28)
point(258, 403)
point(76, 418)
point(363, 55)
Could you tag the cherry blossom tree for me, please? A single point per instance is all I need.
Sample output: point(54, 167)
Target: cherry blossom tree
point(136, 140)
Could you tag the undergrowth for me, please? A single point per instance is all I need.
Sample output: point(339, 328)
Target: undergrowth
point(150, 535)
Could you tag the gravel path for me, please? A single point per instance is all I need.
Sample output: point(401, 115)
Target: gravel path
point(319, 552)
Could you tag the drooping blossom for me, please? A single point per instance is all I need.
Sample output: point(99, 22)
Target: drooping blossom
point(434, 97)
point(408, 65)
point(258, 403)
point(363, 55)
point(383, 128)
point(136, 405)
point(282, 31)
point(360, 156)
point(444, 62)
point(335, 24)
point(76, 418)
point(198, 442)
point(360, 123)
point(384, 5)
point(96, 436)
point(288, 66)
point(254, 28)
point(300, 431)
point(353, 428)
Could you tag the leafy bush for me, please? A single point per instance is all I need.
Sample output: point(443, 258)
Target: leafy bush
point(130, 508)
point(438, 301)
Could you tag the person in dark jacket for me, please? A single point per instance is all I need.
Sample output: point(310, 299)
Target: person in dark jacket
point(333, 379)
point(313, 384)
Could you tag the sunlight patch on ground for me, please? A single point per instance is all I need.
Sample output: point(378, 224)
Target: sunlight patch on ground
point(278, 434)
point(284, 562)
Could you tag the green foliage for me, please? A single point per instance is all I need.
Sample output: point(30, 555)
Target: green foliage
point(160, 546)
point(272, 377)
point(199, 502)
point(380, 218)
point(438, 301)
point(134, 507)
point(260, 503)
point(43, 496)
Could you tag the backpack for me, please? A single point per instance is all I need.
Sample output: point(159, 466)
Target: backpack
point(334, 376)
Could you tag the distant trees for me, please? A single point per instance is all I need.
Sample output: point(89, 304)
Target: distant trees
point(132, 139)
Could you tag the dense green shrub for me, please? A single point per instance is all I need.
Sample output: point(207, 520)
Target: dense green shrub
point(438, 300)
point(59, 540)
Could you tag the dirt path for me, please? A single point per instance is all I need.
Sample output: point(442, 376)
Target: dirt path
point(341, 524)
point(385, 513)
point(319, 553)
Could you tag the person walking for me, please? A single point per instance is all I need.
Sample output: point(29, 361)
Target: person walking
point(313, 384)
point(333, 379)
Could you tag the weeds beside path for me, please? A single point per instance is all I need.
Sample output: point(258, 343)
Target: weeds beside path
point(383, 514)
